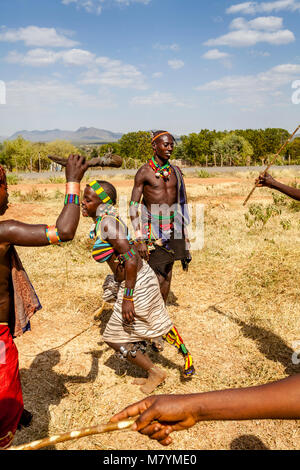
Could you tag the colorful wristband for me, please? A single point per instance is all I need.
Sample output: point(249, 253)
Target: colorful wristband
point(52, 235)
point(127, 298)
point(73, 188)
point(125, 256)
point(72, 199)
point(134, 203)
point(128, 292)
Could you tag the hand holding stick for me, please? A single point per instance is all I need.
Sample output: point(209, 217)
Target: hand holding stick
point(270, 164)
point(70, 436)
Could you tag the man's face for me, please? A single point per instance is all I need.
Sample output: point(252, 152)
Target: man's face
point(3, 199)
point(164, 146)
point(89, 203)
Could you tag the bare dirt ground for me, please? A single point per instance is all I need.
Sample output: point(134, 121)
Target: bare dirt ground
point(237, 309)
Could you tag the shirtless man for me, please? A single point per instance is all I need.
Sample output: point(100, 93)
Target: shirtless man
point(17, 233)
point(157, 182)
point(162, 238)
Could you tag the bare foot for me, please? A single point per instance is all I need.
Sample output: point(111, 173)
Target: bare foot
point(155, 378)
point(139, 381)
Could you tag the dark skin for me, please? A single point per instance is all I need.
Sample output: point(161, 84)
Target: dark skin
point(268, 181)
point(155, 191)
point(114, 233)
point(164, 414)
point(13, 232)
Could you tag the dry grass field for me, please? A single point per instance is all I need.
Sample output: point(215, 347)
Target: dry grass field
point(237, 309)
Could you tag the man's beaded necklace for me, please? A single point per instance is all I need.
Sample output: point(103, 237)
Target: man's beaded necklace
point(160, 171)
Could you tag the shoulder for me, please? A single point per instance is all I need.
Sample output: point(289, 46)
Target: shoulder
point(142, 172)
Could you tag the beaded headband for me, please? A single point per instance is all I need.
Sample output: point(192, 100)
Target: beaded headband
point(100, 192)
point(159, 135)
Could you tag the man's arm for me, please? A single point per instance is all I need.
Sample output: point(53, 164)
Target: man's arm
point(136, 196)
point(270, 182)
point(161, 415)
point(18, 233)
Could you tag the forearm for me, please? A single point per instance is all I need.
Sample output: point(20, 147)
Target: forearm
point(67, 222)
point(130, 273)
point(279, 400)
point(294, 193)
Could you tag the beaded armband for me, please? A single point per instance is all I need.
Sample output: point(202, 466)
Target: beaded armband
point(128, 292)
point(52, 235)
point(72, 193)
point(125, 256)
point(72, 199)
point(134, 203)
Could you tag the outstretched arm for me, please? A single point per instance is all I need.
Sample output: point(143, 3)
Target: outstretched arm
point(18, 233)
point(270, 182)
point(161, 415)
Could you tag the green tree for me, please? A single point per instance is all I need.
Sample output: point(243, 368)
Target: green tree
point(136, 145)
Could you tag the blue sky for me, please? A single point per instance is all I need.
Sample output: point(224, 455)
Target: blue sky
point(126, 65)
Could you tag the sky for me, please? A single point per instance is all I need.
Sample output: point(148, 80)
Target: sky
point(129, 65)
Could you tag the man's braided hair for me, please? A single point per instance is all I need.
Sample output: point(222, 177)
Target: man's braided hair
point(2, 176)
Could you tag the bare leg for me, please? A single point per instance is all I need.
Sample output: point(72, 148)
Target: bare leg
point(156, 376)
point(174, 338)
point(165, 283)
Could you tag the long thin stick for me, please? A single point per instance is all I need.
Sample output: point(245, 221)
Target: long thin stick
point(270, 164)
point(70, 436)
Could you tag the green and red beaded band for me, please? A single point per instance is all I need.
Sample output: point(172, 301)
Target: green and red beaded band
point(126, 256)
point(72, 199)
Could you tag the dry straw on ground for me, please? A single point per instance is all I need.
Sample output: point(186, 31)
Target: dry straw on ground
point(237, 309)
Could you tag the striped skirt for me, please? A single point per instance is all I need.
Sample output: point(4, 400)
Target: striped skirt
point(151, 316)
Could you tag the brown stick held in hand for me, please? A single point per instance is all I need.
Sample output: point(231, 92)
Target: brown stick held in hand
point(270, 164)
point(70, 436)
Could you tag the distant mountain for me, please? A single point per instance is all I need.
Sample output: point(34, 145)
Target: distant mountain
point(2, 138)
point(83, 135)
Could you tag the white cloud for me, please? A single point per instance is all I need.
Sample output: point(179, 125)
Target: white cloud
point(166, 47)
point(39, 94)
point(253, 32)
point(265, 23)
point(215, 54)
point(101, 70)
point(252, 8)
point(157, 74)
point(157, 99)
point(254, 89)
point(114, 73)
point(42, 57)
point(176, 64)
point(96, 6)
point(36, 36)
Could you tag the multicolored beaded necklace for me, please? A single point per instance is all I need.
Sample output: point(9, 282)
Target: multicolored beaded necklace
point(101, 212)
point(160, 171)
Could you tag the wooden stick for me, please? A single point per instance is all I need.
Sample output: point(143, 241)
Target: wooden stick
point(78, 434)
point(270, 164)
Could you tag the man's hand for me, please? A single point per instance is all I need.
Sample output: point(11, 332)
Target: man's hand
point(142, 250)
point(160, 416)
point(265, 180)
point(76, 167)
point(128, 312)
